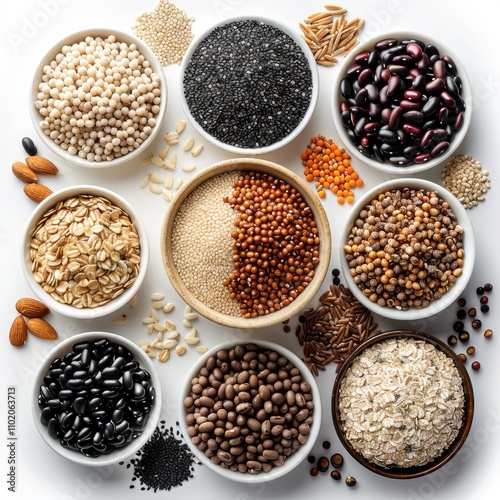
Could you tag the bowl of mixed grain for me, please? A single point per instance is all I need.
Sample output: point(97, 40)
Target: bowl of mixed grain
point(98, 98)
point(402, 102)
point(85, 252)
point(277, 403)
point(403, 404)
point(407, 249)
point(246, 243)
point(249, 85)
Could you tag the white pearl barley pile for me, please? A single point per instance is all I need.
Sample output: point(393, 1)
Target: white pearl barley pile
point(98, 98)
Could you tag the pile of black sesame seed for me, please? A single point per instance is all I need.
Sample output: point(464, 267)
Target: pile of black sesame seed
point(164, 462)
point(248, 84)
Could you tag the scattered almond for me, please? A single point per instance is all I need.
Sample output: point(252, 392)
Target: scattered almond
point(41, 328)
point(18, 332)
point(23, 172)
point(36, 192)
point(31, 308)
point(41, 165)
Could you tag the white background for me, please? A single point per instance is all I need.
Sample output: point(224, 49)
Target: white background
point(28, 29)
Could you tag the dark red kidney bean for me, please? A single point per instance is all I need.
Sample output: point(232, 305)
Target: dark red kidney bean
point(426, 138)
point(422, 158)
point(387, 135)
point(435, 86)
point(440, 134)
point(364, 150)
point(398, 69)
point(447, 99)
point(408, 105)
point(371, 126)
point(388, 55)
point(390, 149)
point(439, 69)
point(431, 50)
point(458, 82)
point(431, 106)
point(413, 116)
point(354, 70)
point(451, 86)
point(374, 110)
point(412, 130)
point(372, 60)
point(344, 107)
point(395, 117)
point(414, 73)
point(365, 142)
point(443, 114)
point(459, 121)
point(386, 43)
point(402, 59)
point(414, 50)
point(359, 128)
point(393, 85)
point(362, 57)
point(365, 77)
point(450, 64)
point(377, 153)
point(361, 97)
point(385, 115)
point(412, 95)
point(440, 148)
point(385, 74)
point(423, 63)
point(372, 92)
point(384, 98)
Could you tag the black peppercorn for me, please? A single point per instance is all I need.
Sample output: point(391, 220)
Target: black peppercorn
point(350, 481)
point(464, 336)
point(322, 464)
point(488, 287)
point(480, 290)
point(472, 312)
point(337, 460)
point(461, 302)
point(336, 281)
point(311, 459)
point(485, 308)
point(335, 474)
point(461, 314)
point(302, 319)
point(452, 340)
point(476, 324)
point(335, 272)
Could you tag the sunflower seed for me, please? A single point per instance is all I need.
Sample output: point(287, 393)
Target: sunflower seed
point(170, 326)
point(169, 343)
point(156, 179)
point(172, 335)
point(144, 343)
point(187, 323)
point(154, 188)
point(169, 181)
point(188, 144)
point(191, 316)
point(171, 136)
point(181, 125)
point(150, 328)
point(159, 327)
point(158, 304)
point(178, 182)
point(145, 181)
point(192, 340)
point(164, 151)
point(188, 167)
point(168, 307)
point(153, 314)
point(147, 160)
point(148, 321)
point(167, 194)
point(197, 150)
point(169, 165)
point(157, 161)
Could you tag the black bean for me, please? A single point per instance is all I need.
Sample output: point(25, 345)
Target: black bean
point(29, 146)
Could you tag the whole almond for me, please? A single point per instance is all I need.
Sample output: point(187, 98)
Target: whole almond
point(23, 172)
point(41, 328)
point(18, 332)
point(31, 308)
point(36, 192)
point(41, 165)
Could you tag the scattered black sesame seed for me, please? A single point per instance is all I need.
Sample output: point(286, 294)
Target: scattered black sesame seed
point(336, 281)
point(326, 445)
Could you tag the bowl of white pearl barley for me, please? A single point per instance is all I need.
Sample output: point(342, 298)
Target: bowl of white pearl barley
point(85, 252)
point(246, 243)
point(403, 404)
point(277, 401)
point(407, 249)
point(98, 98)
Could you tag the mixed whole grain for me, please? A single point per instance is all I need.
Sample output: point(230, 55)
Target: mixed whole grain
point(401, 403)
point(85, 251)
point(405, 248)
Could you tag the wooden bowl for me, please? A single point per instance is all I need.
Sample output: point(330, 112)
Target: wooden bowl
point(310, 198)
point(407, 472)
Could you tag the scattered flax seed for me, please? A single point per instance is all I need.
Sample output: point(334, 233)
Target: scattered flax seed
point(328, 34)
point(167, 31)
point(332, 330)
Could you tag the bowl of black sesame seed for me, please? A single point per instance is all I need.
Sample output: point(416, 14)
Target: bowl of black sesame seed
point(249, 85)
point(407, 249)
point(246, 243)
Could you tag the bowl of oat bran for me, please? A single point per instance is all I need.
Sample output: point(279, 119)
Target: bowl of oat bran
point(246, 243)
point(403, 404)
point(85, 251)
point(407, 249)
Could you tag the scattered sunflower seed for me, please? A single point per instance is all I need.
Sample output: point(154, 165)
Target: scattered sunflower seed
point(169, 181)
point(154, 188)
point(133, 301)
point(188, 144)
point(157, 161)
point(167, 194)
point(159, 327)
point(158, 304)
point(156, 179)
point(157, 296)
point(168, 307)
point(181, 125)
point(145, 181)
point(164, 151)
point(178, 182)
point(187, 323)
point(148, 321)
point(197, 150)
point(188, 167)
point(169, 343)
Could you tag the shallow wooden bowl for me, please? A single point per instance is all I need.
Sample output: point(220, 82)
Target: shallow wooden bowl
point(311, 199)
point(450, 452)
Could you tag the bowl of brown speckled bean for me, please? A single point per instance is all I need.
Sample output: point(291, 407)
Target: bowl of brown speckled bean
point(250, 411)
point(407, 249)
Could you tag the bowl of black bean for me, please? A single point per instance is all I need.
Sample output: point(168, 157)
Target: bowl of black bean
point(96, 398)
point(249, 85)
point(407, 249)
point(250, 411)
point(402, 102)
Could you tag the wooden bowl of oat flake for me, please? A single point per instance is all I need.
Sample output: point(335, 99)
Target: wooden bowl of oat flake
point(403, 404)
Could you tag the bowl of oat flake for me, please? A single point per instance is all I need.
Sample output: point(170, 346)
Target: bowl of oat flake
point(403, 404)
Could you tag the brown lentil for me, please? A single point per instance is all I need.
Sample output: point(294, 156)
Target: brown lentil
point(276, 244)
point(405, 248)
point(332, 330)
point(249, 408)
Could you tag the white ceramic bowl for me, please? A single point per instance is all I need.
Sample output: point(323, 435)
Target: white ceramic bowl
point(320, 217)
point(118, 454)
point(291, 461)
point(386, 166)
point(308, 114)
point(26, 262)
point(469, 247)
point(77, 37)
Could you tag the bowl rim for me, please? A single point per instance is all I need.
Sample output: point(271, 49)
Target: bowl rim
point(320, 217)
point(121, 453)
point(293, 460)
point(386, 166)
point(314, 93)
point(47, 204)
point(453, 293)
point(144, 49)
point(451, 451)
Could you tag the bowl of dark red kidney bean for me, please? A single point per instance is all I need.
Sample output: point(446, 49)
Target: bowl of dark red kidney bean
point(402, 102)
point(96, 398)
point(250, 411)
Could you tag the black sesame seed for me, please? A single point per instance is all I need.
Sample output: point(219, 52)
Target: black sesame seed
point(326, 445)
point(302, 319)
point(336, 281)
